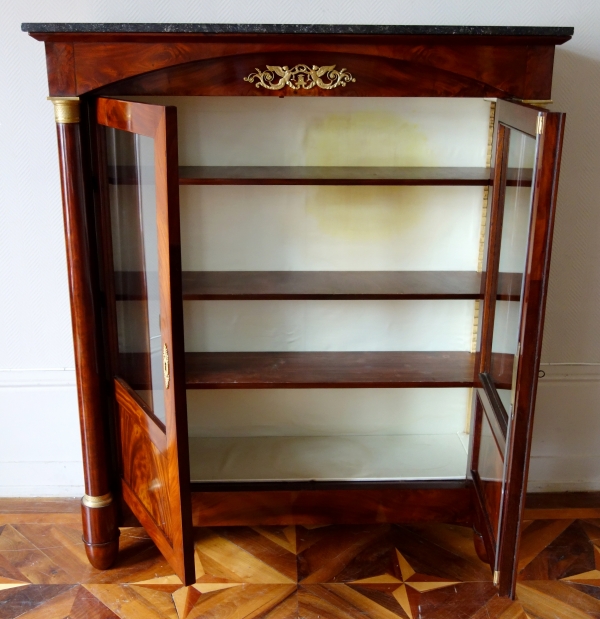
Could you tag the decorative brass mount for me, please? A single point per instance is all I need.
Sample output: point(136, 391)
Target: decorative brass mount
point(97, 501)
point(66, 109)
point(300, 76)
point(166, 370)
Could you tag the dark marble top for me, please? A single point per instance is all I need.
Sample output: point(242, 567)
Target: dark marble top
point(300, 29)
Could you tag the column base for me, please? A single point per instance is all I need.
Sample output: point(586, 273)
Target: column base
point(100, 534)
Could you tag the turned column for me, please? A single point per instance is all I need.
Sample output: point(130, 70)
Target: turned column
point(100, 531)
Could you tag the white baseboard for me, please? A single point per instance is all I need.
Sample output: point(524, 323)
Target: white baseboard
point(566, 432)
point(40, 445)
point(30, 479)
point(569, 372)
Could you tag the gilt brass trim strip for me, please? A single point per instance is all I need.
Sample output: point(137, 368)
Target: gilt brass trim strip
point(66, 109)
point(301, 76)
point(480, 258)
point(536, 101)
point(96, 501)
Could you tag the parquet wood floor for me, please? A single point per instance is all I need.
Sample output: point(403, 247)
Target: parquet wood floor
point(427, 571)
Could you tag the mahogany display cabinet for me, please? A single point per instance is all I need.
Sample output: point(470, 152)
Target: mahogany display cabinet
point(308, 269)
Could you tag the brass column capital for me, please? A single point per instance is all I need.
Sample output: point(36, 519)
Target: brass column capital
point(97, 501)
point(66, 109)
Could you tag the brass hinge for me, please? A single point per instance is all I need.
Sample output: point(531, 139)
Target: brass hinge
point(166, 373)
point(540, 124)
point(496, 580)
point(513, 386)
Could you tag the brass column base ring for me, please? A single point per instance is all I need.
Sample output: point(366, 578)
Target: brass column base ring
point(96, 501)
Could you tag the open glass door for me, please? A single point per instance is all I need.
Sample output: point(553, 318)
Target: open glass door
point(527, 145)
point(142, 251)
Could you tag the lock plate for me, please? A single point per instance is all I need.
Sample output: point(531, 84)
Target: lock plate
point(166, 370)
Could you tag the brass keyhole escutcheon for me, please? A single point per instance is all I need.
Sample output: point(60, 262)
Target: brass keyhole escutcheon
point(166, 373)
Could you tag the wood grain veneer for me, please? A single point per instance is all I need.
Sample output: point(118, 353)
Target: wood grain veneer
point(101, 535)
point(385, 65)
point(310, 370)
point(449, 502)
point(260, 370)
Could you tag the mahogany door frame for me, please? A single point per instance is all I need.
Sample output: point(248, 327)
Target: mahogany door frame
point(512, 430)
point(164, 445)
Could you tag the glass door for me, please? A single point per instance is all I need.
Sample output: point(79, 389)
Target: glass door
point(142, 252)
point(527, 144)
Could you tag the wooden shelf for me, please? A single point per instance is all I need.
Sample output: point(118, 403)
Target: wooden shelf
point(324, 285)
point(332, 175)
point(329, 175)
point(288, 370)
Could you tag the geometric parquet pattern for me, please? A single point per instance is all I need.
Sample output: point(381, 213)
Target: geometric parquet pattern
point(427, 571)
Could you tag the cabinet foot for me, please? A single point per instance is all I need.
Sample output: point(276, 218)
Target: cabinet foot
point(100, 533)
point(102, 556)
point(480, 546)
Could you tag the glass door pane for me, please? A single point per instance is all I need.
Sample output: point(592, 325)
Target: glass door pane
point(490, 466)
point(515, 227)
point(132, 196)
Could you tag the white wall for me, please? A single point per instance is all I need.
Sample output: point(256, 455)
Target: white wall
point(38, 416)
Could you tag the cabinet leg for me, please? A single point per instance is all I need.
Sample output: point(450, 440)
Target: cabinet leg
point(100, 531)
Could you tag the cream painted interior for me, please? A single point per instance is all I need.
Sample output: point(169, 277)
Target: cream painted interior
point(252, 228)
point(328, 458)
point(229, 326)
point(332, 433)
point(300, 412)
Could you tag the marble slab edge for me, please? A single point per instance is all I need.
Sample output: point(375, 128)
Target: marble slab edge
point(296, 29)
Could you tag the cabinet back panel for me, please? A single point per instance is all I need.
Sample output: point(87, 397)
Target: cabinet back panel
point(310, 228)
point(330, 228)
point(342, 131)
point(325, 412)
point(254, 326)
point(327, 458)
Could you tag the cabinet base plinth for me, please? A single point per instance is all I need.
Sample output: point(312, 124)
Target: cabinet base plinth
point(100, 535)
point(449, 502)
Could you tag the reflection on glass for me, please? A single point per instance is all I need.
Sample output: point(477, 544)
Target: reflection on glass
point(505, 395)
point(513, 256)
point(132, 191)
point(490, 467)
